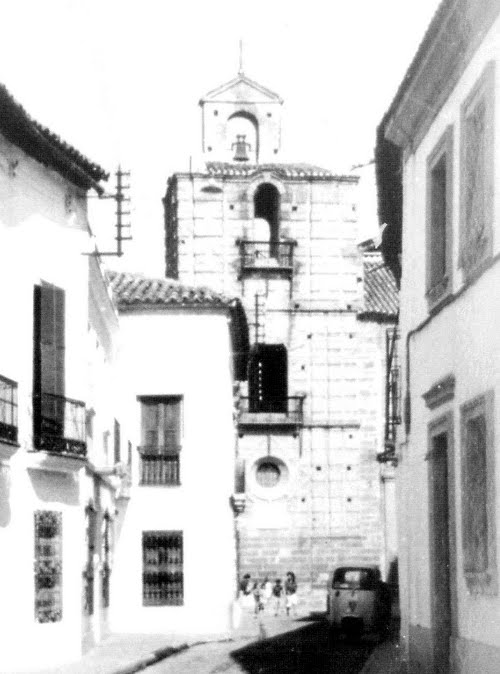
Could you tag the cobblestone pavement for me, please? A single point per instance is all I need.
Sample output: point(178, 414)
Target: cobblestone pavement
point(269, 645)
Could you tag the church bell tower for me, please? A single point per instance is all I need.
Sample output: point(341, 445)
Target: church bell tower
point(241, 123)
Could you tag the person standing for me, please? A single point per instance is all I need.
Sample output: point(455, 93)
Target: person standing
point(277, 595)
point(291, 593)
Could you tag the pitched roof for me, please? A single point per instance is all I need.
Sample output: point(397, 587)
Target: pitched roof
point(380, 290)
point(235, 85)
point(295, 171)
point(134, 290)
point(45, 146)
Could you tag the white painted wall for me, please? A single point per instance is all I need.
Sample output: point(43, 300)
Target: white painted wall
point(185, 353)
point(463, 340)
point(43, 232)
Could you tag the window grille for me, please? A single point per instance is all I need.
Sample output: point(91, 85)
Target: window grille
point(48, 566)
point(106, 559)
point(163, 577)
point(88, 574)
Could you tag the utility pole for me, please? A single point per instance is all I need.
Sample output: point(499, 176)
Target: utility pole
point(122, 225)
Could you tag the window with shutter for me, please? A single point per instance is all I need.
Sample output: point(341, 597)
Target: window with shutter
point(59, 422)
point(476, 177)
point(439, 218)
point(161, 440)
point(117, 442)
point(478, 495)
point(49, 357)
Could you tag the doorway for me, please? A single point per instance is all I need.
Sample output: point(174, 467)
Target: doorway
point(441, 547)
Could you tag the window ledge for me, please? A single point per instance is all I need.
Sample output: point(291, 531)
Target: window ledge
point(438, 292)
point(7, 449)
point(54, 463)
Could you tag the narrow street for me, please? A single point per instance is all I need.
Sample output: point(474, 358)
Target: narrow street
point(272, 646)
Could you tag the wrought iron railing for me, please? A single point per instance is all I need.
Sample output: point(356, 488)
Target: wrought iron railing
point(8, 410)
point(285, 410)
point(392, 397)
point(266, 254)
point(159, 466)
point(59, 424)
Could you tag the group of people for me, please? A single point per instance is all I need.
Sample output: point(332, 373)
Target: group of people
point(259, 595)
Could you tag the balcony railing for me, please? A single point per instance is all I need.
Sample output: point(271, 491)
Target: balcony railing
point(59, 424)
point(271, 411)
point(159, 466)
point(267, 255)
point(8, 410)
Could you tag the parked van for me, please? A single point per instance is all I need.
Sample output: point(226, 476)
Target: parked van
point(358, 601)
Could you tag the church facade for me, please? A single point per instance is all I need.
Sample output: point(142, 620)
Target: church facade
point(283, 237)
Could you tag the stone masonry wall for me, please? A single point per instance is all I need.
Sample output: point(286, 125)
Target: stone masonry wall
point(326, 509)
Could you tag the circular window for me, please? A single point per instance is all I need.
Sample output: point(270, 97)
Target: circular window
point(268, 474)
point(270, 478)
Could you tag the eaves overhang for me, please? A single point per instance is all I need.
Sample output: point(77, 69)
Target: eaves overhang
point(454, 34)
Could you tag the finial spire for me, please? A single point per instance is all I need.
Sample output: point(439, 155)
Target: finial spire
point(240, 71)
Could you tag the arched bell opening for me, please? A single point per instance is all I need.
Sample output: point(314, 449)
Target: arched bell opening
point(243, 134)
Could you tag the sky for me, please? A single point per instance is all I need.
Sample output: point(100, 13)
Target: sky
point(121, 80)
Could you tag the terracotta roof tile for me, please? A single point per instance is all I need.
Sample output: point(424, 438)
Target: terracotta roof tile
point(301, 170)
point(380, 290)
point(44, 145)
point(136, 290)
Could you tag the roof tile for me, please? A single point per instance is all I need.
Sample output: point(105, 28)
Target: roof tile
point(380, 290)
point(136, 290)
point(301, 170)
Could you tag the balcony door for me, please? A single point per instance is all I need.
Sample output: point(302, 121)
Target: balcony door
point(268, 378)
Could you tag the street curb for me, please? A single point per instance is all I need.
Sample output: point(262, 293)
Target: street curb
point(152, 658)
point(161, 654)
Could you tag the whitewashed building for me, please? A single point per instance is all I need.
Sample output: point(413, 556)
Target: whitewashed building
point(57, 306)
point(182, 349)
point(438, 159)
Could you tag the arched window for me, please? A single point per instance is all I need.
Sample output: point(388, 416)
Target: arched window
point(266, 203)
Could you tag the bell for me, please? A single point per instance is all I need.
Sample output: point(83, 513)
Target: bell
point(240, 153)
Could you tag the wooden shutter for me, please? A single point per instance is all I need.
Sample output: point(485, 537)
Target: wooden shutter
point(49, 338)
point(49, 357)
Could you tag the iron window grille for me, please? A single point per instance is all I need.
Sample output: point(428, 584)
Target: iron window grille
point(88, 574)
point(392, 395)
point(163, 575)
point(106, 559)
point(48, 566)
point(8, 410)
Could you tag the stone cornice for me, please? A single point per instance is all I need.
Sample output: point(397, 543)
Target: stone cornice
point(448, 46)
point(440, 393)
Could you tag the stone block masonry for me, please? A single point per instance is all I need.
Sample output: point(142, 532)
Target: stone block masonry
point(324, 506)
